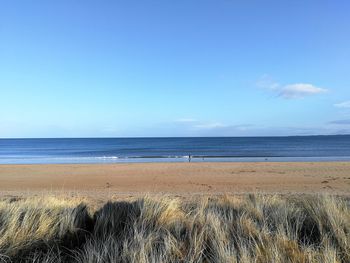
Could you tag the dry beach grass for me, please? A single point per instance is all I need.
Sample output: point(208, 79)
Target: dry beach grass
point(247, 228)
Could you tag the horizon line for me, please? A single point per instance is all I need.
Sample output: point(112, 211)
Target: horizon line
point(168, 137)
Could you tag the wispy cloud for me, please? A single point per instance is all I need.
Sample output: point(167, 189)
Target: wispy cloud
point(196, 127)
point(300, 90)
point(266, 82)
point(341, 122)
point(209, 125)
point(197, 124)
point(290, 91)
point(345, 104)
point(186, 120)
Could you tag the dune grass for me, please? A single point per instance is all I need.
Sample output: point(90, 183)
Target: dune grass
point(251, 228)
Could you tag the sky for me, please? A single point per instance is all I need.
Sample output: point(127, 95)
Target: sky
point(174, 68)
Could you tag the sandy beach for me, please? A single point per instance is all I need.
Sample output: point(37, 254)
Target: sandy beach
point(182, 179)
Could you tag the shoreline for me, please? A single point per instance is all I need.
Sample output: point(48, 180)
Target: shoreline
point(162, 159)
point(177, 179)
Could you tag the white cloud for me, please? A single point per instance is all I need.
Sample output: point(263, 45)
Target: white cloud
point(289, 91)
point(209, 125)
point(194, 124)
point(299, 90)
point(345, 104)
point(199, 125)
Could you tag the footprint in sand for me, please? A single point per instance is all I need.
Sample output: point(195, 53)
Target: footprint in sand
point(327, 187)
point(206, 185)
point(276, 172)
point(334, 179)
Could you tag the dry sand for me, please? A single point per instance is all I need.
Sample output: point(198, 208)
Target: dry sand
point(179, 179)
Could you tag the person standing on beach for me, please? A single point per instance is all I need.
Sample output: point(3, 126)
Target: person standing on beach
point(189, 158)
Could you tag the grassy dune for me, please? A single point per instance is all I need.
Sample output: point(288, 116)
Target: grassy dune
point(252, 228)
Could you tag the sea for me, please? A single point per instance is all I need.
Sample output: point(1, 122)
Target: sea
point(184, 149)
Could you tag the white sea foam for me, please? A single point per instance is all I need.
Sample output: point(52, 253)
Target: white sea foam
point(107, 157)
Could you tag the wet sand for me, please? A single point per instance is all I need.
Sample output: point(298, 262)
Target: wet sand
point(182, 179)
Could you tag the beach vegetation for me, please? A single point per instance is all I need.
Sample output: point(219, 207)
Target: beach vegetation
point(247, 228)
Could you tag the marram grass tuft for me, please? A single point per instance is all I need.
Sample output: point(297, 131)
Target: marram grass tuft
point(251, 228)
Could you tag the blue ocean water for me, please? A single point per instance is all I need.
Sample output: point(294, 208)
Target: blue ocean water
point(116, 150)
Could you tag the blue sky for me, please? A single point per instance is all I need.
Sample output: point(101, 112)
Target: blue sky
point(174, 68)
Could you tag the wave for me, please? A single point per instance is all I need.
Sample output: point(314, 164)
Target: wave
point(143, 157)
point(155, 159)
